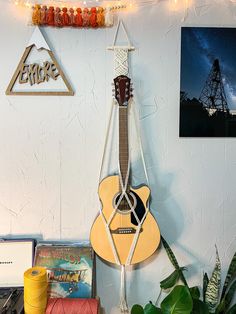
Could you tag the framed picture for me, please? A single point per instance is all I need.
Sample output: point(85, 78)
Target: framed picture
point(208, 82)
point(70, 269)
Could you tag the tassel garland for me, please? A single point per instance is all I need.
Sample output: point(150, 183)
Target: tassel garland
point(73, 17)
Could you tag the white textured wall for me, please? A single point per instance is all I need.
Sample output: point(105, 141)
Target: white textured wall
point(51, 148)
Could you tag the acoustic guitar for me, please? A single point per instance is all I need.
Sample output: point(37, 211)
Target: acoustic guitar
point(126, 205)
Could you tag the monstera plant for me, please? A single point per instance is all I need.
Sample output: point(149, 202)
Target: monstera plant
point(183, 299)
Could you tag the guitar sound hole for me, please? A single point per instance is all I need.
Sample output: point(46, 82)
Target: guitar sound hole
point(124, 206)
point(139, 209)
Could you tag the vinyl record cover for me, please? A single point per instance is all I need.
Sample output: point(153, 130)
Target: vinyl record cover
point(70, 269)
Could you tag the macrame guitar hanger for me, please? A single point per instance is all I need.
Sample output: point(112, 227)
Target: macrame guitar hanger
point(121, 67)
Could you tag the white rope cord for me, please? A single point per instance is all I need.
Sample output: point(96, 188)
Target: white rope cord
point(107, 135)
point(106, 224)
point(136, 119)
point(120, 23)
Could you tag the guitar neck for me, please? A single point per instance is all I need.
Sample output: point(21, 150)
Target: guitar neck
point(124, 144)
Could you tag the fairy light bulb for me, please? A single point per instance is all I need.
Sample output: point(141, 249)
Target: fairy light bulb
point(16, 2)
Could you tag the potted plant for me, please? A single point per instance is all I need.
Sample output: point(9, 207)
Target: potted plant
point(183, 299)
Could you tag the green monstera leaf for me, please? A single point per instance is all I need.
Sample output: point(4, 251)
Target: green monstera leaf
point(137, 309)
point(151, 309)
point(179, 301)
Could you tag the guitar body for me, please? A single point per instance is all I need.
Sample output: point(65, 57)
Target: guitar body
point(123, 223)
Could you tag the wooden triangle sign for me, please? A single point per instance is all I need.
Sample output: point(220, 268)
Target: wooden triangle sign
point(29, 77)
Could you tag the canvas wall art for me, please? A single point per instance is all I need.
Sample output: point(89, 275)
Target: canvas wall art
point(208, 82)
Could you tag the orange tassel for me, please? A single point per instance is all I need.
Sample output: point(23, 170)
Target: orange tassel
point(86, 17)
point(58, 17)
point(43, 15)
point(36, 14)
point(72, 17)
point(78, 18)
point(100, 17)
point(65, 17)
point(50, 16)
point(93, 17)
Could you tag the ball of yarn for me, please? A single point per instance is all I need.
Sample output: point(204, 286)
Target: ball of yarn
point(71, 306)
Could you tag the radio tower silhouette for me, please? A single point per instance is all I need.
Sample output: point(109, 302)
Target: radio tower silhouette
point(213, 95)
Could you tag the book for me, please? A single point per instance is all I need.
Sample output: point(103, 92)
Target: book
point(70, 269)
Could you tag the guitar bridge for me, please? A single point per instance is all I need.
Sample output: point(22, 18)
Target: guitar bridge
point(125, 231)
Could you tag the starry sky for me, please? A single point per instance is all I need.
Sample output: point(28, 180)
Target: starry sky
point(199, 47)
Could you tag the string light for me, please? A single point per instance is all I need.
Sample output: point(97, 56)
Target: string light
point(75, 3)
point(112, 4)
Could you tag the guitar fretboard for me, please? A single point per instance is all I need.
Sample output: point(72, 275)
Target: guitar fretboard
point(123, 143)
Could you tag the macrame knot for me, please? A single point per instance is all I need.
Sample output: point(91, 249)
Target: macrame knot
point(121, 61)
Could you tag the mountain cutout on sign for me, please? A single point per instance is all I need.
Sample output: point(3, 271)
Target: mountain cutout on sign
point(38, 72)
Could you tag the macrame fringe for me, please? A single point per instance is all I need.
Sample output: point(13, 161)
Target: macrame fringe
point(123, 301)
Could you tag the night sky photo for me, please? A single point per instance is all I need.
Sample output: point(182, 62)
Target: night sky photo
point(208, 82)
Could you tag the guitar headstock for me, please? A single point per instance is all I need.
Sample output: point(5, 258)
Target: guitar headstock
point(123, 90)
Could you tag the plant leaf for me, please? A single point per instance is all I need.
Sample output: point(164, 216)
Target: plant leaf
point(137, 309)
point(179, 301)
point(171, 280)
point(205, 283)
point(170, 254)
point(232, 310)
point(199, 307)
point(173, 259)
point(195, 292)
point(229, 295)
point(151, 309)
point(231, 274)
point(213, 287)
